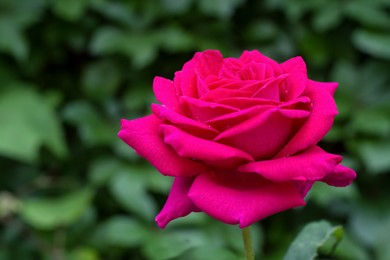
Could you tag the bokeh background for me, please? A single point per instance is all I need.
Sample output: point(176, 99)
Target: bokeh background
point(69, 70)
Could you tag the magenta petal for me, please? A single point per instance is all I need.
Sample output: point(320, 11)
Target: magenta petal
point(340, 177)
point(144, 137)
point(210, 152)
point(311, 165)
point(165, 93)
point(330, 87)
point(189, 125)
point(203, 110)
point(203, 64)
point(296, 82)
point(317, 125)
point(242, 199)
point(178, 204)
point(264, 134)
point(250, 56)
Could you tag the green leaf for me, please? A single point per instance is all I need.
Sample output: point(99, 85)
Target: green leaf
point(101, 79)
point(221, 8)
point(119, 231)
point(368, 14)
point(13, 41)
point(130, 191)
point(311, 238)
point(70, 10)
point(23, 131)
point(169, 245)
point(49, 213)
point(376, 44)
point(83, 253)
point(375, 122)
point(375, 155)
point(208, 252)
point(92, 127)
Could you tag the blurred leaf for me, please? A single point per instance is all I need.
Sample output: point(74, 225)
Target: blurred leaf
point(368, 14)
point(375, 155)
point(119, 231)
point(207, 252)
point(83, 253)
point(49, 213)
point(101, 79)
point(23, 131)
point(70, 10)
point(326, 195)
point(13, 41)
point(220, 8)
point(327, 17)
point(349, 249)
point(370, 223)
point(168, 245)
point(374, 122)
point(130, 191)
point(92, 128)
point(176, 7)
point(311, 238)
point(376, 44)
point(261, 30)
point(102, 169)
point(141, 48)
point(179, 39)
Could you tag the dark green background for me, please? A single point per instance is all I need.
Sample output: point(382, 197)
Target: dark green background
point(69, 70)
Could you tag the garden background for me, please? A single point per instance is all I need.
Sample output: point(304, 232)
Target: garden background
point(69, 70)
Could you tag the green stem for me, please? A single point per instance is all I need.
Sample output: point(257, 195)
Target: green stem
point(246, 237)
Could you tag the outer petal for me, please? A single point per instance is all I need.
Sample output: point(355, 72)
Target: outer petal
point(202, 110)
point(178, 204)
point(165, 93)
point(196, 128)
point(310, 165)
point(143, 135)
point(263, 135)
point(340, 177)
point(210, 152)
point(317, 125)
point(243, 199)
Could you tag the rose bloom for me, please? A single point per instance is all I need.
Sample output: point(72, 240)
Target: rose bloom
point(239, 136)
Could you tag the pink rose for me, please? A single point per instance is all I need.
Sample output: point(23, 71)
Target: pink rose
point(240, 137)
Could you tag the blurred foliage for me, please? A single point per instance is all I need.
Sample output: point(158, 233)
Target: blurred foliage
point(69, 70)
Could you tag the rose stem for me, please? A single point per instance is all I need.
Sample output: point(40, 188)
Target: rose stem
point(246, 237)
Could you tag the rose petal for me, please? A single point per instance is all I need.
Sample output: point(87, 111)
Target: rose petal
point(210, 152)
point(256, 71)
point(230, 69)
point(221, 93)
point(263, 135)
point(340, 177)
point(243, 199)
point(249, 56)
point(178, 204)
point(202, 110)
point(143, 136)
point(189, 125)
point(201, 65)
point(244, 103)
point(224, 122)
point(330, 87)
point(317, 125)
point(165, 93)
point(311, 165)
point(296, 82)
